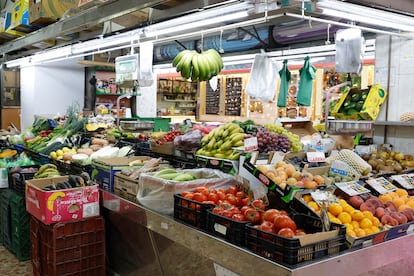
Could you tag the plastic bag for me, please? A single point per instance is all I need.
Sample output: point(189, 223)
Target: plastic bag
point(189, 141)
point(349, 46)
point(158, 194)
point(263, 78)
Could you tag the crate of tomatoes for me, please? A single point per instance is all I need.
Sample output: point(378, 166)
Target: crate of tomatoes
point(295, 238)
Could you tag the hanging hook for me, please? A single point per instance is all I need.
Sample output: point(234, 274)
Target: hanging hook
point(202, 42)
point(310, 22)
point(328, 41)
point(221, 50)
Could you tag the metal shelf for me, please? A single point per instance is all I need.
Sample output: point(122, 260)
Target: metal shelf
point(394, 123)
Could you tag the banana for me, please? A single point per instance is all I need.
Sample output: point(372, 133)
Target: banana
point(183, 61)
point(186, 67)
point(178, 57)
point(203, 67)
point(196, 71)
point(45, 167)
point(217, 57)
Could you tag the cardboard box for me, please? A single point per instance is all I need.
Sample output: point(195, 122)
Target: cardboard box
point(20, 17)
point(300, 128)
point(60, 205)
point(104, 169)
point(370, 109)
point(126, 184)
point(45, 12)
point(165, 148)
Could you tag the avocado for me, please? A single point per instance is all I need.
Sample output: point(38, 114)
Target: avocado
point(355, 97)
point(359, 105)
point(347, 103)
point(352, 105)
point(351, 111)
point(364, 96)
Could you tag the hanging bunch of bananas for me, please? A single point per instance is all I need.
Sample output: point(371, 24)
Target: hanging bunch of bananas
point(198, 66)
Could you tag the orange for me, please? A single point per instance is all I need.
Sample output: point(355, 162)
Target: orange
point(359, 232)
point(307, 198)
point(348, 208)
point(335, 220)
point(401, 192)
point(375, 222)
point(403, 206)
point(398, 201)
point(357, 215)
point(365, 223)
point(355, 224)
point(335, 209)
point(367, 214)
point(349, 226)
point(350, 232)
point(410, 203)
point(343, 202)
point(405, 198)
point(345, 217)
point(314, 205)
point(368, 231)
point(392, 194)
point(375, 229)
point(385, 197)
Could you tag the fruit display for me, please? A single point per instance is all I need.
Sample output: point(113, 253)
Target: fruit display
point(295, 143)
point(198, 66)
point(285, 174)
point(268, 141)
point(168, 137)
point(354, 101)
point(220, 141)
point(389, 161)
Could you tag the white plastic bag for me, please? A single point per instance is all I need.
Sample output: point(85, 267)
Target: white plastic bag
point(263, 78)
point(349, 46)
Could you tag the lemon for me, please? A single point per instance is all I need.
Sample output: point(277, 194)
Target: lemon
point(65, 149)
point(53, 155)
point(59, 152)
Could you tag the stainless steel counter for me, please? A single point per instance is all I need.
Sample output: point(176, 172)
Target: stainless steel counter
point(142, 242)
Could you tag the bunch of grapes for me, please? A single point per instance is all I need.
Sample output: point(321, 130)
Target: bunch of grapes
point(295, 143)
point(268, 141)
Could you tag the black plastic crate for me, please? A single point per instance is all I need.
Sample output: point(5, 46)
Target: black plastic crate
point(18, 177)
point(68, 248)
point(226, 228)
point(5, 218)
point(20, 227)
point(290, 251)
point(191, 212)
point(39, 158)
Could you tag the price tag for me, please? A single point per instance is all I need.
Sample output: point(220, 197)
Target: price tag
point(316, 156)
point(220, 228)
point(250, 144)
point(339, 167)
point(277, 156)
point(381, 185)
point(352, 188)
point(319, 196)
point(404, 180)
point(222, 271)
point(361, 150)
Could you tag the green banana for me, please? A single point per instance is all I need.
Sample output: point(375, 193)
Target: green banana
point(203, 66)
point(165, 171)
point(195, 73)
point(183, 61)
point(213, 53)
point(45, 167)
point(184, 177)
point(178, 57)
point(169, 176)
point(186, 67)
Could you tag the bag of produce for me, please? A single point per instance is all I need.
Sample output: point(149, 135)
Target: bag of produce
point(156, 190)
point(189, 141)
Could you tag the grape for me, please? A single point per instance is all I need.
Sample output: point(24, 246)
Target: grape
point(272, 142)
point(295, 144)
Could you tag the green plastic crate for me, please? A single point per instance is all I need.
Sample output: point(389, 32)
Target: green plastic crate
point(5, 219)
point(160, 124)
point(20, 227)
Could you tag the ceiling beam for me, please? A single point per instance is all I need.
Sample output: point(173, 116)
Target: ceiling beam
point(81, 21)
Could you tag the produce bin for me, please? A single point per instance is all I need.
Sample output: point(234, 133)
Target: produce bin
point(20, 227)
point(69, 248)
point(314, 245)
point(191, 212)
point(5, 219)
point(18, 177)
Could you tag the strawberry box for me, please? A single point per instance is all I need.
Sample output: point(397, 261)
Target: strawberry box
point(60, 205)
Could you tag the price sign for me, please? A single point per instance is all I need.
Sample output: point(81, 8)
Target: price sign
point(316, 156)
point(404, 180)
point(250, 144)
point(339, 167)
point(381, 185)
point(319, 196)
point(352, 188)
point(277, 156)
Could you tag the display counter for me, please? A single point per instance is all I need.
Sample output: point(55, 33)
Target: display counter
point(142, 242)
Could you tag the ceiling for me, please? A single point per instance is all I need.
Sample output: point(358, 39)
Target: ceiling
point(287, 28)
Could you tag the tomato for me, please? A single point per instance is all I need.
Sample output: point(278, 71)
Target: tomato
point(286, 232)
point(241, 194)
point(252, 215)
point(232, 190)
point(270, 214)
point(202, 189)
point(227, 213)
point(300, 232)
point(221, 195)
point(200, 197)
point(231, 199)
point(258, 203)
point(213, 197)
point(244, 208)
point(222, 190)
point(218, 210)
point(245, 201)
point(268, 226)
point(185, 193)
point(283, 221)
point(238, 217)
point(213, 191)
point(235, 210)
point(189, 195)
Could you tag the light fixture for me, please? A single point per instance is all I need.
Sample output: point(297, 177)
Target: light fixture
point(102, 43)
point(20, 62)
point(150, 32)
point(366, 15)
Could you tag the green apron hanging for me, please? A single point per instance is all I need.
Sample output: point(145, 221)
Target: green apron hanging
point(307, 74)
point(284, 85)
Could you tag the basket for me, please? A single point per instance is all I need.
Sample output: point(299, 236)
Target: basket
point(290, 251)
point(20, 227)
point(18, 177)
point(191, 212)
point(228, 229)
point(68, 248)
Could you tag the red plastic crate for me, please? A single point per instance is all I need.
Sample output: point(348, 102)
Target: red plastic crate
point(68, 248)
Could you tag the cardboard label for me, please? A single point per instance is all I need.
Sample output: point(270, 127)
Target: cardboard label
point(339, 167)
point(319, 196)
point(220, 228)
point(404, 180)
point(277, 156)
point(222, 271)
point(352, 188)
point(381, 185)
point(250, 144)
point(316, 156)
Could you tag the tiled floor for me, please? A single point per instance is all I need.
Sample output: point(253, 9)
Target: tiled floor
point(11, 266)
